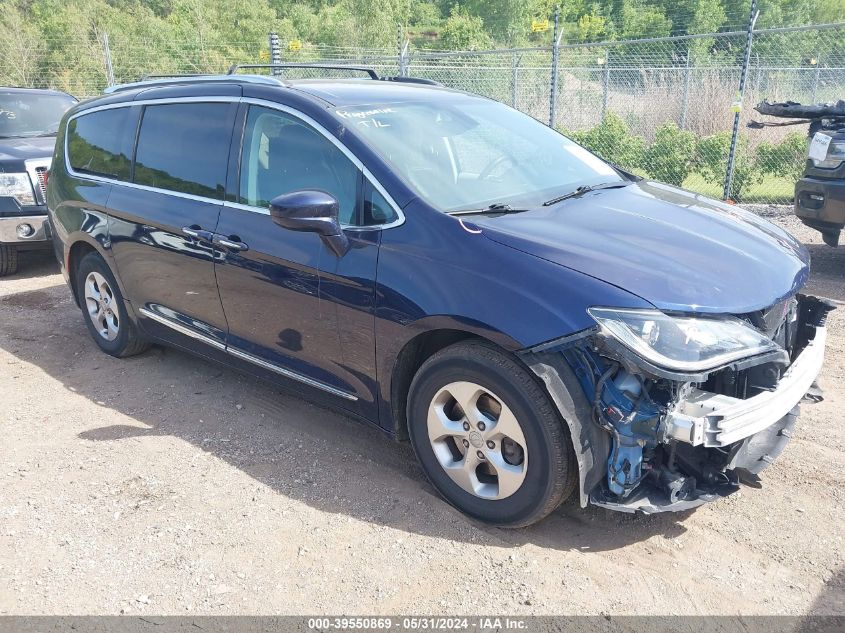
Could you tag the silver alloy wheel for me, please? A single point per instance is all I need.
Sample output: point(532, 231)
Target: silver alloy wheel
point(477, 440)
point(101, 306)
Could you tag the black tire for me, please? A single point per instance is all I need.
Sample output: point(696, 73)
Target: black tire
point(128, 341)
point(8, 259)
point(551, 473)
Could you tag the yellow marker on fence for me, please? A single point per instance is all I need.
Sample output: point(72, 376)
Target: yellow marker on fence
point(294, 45)
point(264, 56)
point(538, 26)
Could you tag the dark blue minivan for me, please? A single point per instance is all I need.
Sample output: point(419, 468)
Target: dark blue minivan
point(532, 319)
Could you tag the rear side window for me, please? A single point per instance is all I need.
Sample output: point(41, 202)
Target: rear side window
point(97, 143)
point(184, 147)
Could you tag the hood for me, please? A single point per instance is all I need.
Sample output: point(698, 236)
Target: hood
point(17, 149)
point(677, 250)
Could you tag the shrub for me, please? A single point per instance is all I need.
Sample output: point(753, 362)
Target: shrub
point(786, 159)
point(671, 158)
point(712, 163)
point(611, 140)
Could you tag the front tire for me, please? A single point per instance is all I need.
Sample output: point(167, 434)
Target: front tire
point(104, 310)
point(8, 259)
point(488, 437)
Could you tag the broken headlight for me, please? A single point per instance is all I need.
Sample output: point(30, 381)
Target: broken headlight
point(682, 343)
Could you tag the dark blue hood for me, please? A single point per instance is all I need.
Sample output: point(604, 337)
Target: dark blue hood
point(677, 250)
point(20, 149)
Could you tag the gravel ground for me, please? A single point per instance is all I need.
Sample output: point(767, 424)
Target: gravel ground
point(163, 484)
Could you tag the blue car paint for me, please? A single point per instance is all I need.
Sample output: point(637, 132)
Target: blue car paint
point(675, 249)
point(518, 280)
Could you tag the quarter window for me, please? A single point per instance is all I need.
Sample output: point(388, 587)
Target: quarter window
point(282, 154)
point(377, 210)
point(184, 147)
point(98, 143)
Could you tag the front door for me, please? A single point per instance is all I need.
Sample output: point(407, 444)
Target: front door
point(270, 279)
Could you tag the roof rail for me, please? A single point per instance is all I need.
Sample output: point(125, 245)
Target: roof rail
point(413, 80)
point(172, 75)
point(364, 69)
point(149, 81)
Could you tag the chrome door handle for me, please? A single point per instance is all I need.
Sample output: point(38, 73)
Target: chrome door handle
point(198, 233)
point(232, 245)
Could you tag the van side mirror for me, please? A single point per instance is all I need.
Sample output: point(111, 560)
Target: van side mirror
point(314, 211)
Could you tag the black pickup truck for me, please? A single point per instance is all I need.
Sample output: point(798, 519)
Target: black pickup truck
point(29, 119)
point(820, 194)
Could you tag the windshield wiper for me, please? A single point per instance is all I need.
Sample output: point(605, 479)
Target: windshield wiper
point(495, 208)
point(580, 191)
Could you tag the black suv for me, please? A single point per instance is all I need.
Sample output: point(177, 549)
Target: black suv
point(29, 120)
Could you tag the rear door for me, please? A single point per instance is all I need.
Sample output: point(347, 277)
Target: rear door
point(162, 221)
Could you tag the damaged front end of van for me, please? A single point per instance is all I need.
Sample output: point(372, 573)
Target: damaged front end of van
point(678, 410)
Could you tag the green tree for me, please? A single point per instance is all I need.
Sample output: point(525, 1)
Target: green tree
point(671, 157)
point(462, 31)
point(712, 163)
point(786, 159)
point(612, 141)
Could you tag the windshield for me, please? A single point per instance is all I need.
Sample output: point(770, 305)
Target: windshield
point(470, 153)
point(31, 113)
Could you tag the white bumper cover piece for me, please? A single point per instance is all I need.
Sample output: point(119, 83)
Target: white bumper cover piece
point(712, 420)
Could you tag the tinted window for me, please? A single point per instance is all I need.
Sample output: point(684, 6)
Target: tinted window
point(281, 154)
point(184, 147)
point(97, 143)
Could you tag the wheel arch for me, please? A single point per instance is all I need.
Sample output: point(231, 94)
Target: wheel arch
point(75, 254)
point(77, 248)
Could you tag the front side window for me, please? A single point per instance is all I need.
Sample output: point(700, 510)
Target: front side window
point(98, 143)
point(184, 147)
point(467, 153)
point(281, 154)
point(28, 114)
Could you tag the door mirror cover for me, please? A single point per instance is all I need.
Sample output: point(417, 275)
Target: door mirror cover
point(311, 210)
point(306, 210)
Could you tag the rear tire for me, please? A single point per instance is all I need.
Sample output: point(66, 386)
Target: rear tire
point(104, 310)
point(8, 259)
point(504, 457)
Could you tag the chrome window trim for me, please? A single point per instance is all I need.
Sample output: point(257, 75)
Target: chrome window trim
point(400, 216)
point(233, 351)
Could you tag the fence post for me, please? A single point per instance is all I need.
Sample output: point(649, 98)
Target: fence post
point(606, 96)
point(685, 104)
point(752, 19)
point(514, 77)
point(275, 52)
point(816, 77)
point(555, 56)
point(402, 48)
point(107, 59)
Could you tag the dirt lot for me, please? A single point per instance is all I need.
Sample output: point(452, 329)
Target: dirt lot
point(163, 484)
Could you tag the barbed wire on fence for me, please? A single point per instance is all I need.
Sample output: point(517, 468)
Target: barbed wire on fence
point(661, 107)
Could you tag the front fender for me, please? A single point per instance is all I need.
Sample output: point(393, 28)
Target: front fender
point(590, 444)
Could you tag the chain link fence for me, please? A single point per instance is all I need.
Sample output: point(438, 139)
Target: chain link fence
point(661, 107)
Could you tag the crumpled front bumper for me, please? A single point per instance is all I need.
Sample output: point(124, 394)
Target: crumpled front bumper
point(715, 420)
point(697, 445)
